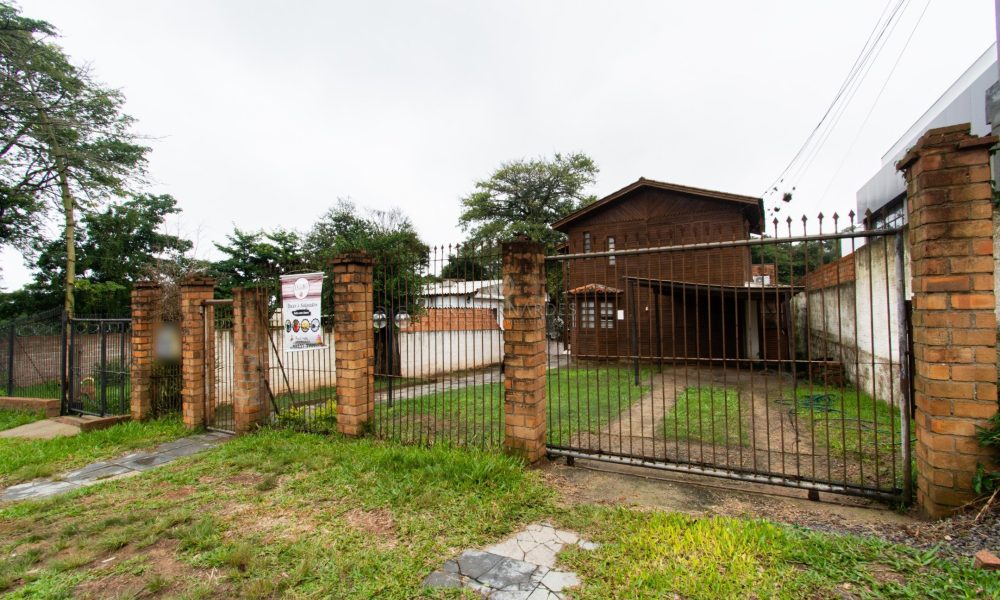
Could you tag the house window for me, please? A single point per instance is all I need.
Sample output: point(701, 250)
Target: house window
point(587, 247)
point(607, 314)
point(587, 314)
point(611, 248)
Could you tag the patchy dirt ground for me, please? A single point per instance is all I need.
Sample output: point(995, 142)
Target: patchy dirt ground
point(603, 483)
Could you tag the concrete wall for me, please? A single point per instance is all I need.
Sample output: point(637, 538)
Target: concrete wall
point(857, 323)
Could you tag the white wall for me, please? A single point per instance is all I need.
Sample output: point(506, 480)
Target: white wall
point(858, 323)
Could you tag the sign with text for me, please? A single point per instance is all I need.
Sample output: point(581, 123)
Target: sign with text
point(300, 311)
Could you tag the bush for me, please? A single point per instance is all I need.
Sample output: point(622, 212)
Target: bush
point(319, 418)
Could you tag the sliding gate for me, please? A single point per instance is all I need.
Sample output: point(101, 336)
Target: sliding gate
point(779, 359)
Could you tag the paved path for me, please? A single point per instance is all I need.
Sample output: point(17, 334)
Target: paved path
point(519, 568)
point(137, 462)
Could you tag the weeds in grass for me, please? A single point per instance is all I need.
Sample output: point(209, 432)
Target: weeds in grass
point(707, 414)
point(156, 584)
point(269, 482)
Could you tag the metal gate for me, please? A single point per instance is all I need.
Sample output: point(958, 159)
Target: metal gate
point(98, 364)
point(217, 317)
point(777, 358)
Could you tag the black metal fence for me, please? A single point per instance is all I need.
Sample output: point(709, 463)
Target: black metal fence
point(31, 356)
point(219, 414)
point(98, 366)
point(778, 358)
point(439, 347)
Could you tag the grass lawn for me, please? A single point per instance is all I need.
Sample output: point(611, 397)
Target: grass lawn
point(47, 389)
point(707, 414)
point(844, 420)
point(280, 513)
point(10, 419)
point(21, 460)
point(577, 399)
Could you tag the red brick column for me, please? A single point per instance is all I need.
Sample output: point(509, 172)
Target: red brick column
point(950, 210)
point(250, 359)
point(194, 291)
point(354, 341)
point(146, 297)
point(524, 349)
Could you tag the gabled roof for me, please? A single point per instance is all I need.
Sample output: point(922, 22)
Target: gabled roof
point(754, 205)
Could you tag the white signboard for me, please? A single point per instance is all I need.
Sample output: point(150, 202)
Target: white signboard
point(300, 310)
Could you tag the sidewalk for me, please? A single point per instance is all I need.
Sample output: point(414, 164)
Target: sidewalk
point(127, 465)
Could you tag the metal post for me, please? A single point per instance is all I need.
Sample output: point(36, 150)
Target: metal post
point(633, 289)
point(10, 359)
point(389, 326)
point(63, 365)
point(103, 378)
point(904, 362)
point(71, 391)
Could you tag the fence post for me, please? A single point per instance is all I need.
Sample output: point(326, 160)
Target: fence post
point(194, 291)
point(250, 400)
point(950, 229)
point(354, 341)
point(524, 349)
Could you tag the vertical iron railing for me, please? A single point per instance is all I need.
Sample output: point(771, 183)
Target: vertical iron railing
point(776, 358)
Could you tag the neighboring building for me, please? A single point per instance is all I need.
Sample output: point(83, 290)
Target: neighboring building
point(458, 294)
point(704, 304)
point(885, 193)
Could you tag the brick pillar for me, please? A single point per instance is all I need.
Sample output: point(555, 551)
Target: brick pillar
point(146, 297)
point(949, 198)
point(194, 291)
point(250, 359)
point(354, 339)
point(524, 349)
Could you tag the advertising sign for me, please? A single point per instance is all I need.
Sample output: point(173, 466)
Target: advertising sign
point(300, 311)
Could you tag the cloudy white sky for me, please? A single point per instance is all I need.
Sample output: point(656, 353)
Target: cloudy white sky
point(264, 113)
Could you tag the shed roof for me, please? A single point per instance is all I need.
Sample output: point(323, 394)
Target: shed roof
point(755, 206)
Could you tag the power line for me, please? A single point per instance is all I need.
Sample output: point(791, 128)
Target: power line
point(878, 97)
point(851, 76)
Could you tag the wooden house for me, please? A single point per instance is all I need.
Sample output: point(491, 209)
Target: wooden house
point(710, 303)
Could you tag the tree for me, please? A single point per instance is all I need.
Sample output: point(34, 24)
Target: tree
point(526, 197)
point(258, 257)
point(400, 259)
point(118, 246)
point(66, 141)
point(473, 263)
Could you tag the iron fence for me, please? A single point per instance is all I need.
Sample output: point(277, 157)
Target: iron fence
point(439, 347)
point(778, 358)
point(31, 355)
point(98, 366)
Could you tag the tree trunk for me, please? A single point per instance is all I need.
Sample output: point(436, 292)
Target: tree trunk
point(69, 303)
point(383, 364)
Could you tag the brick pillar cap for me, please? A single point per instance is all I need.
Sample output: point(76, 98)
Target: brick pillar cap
point(954, 136)
point(355, 257)
point(146, 284)
point(198, 280)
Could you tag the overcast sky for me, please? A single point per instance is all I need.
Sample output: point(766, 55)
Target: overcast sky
point(264, 113)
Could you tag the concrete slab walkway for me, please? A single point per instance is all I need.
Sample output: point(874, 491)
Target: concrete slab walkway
point(519, 568)
point(124, 466)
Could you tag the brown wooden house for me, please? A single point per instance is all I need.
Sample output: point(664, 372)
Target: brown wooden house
point(690, 304)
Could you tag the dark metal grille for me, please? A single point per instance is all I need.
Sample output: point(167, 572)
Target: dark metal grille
point(98, 366)
point(778, 359)
point(32, 355)
point(439, 347)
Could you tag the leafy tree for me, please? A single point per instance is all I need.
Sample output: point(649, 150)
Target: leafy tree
point(472, 263)
point(259, 257)
point(400, 259)
point(119, 245)
point(66, 141)
point(525, 197)
point(794, 259)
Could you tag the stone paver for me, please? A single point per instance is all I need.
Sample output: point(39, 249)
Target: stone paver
point(519, 568)
point(130, 464)
point(46, 429)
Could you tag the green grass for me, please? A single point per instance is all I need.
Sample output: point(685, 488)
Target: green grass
point(577, 399)
point(272, 514)
point(46, 389)
point(707, 414)
point(10, 419)
point(669, 555)
point(285, 514)
point(22, 460)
